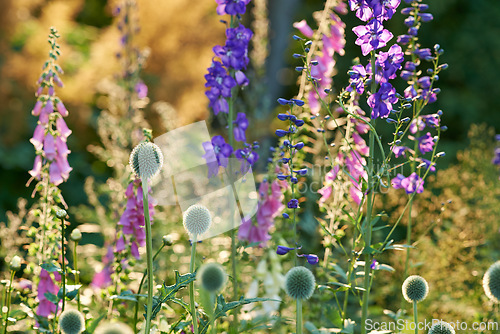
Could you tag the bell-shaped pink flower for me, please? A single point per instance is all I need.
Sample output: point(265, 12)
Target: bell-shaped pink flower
point(62, 148)
point(63, 166)
point(55, 176)
point(49, 147)
point(38, 137)
point(62, 109)
point(63, 129)
point(37, 167)
point(37, 108)
point(46, 111)
point(46, 284)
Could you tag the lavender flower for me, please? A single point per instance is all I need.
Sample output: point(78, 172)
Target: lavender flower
point(372, 36)
point(217, 153)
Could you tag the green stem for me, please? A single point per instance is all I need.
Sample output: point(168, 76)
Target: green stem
point(299, 316)
point(369, 208)
point(9, 291)
point(136, 313)
point(77, 274)
point(234, 264)
point(415, 316)
point(63, 267)
point(191, 286)
point(212, 315)
point(149, 254)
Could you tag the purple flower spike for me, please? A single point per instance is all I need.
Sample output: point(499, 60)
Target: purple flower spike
point(374, 264)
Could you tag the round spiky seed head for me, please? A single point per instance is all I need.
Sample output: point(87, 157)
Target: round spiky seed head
point(491, 282)
point(61, 214)
point(76, 235)
point(114, 328)
point(15, 263)
point(415, 288)
point(197, 219)
point(441, 327)
point(146, 160)
point(300, 283)
point(211, 277)
point(71, 322)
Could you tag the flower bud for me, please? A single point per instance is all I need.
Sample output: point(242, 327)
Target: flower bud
point(76, 235)
point(211, 277)
point(15, 263)
point(167, 240)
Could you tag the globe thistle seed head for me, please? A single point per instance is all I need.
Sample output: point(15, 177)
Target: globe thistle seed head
point(197, 219)
point(300, 283)
point(415, 289)
point(491, 282)
point(71, 322)
point(114, 328)
point(441, 327)
point(61, 214)
point(146, 160)
point(211, 277)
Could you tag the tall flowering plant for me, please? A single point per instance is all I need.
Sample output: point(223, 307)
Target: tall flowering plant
point(413, 146)
point(225, 76)
point(50, 169)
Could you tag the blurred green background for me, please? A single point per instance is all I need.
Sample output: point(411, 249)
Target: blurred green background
point(180, 37)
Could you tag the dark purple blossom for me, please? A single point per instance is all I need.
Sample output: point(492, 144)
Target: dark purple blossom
point(413, 183)
point(247, 156)
point(220, 84)
point(388, 63)
point(282, 250)
point(231, 7)
point(372, 36)
point(293, 203)
point(241, 125)
point(429, 165)
point(423, 53)
point(234, 54)
point(398, 150)
point(311, 258)
point(217, 153)
point(426, 143)
point(357, 76)
point(381, 102)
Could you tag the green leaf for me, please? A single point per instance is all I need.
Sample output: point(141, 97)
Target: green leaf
point(127, 295)
point(17, 314)
point(167, 293)
point(50, 267)
point(51, 297)
point(71, 291)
